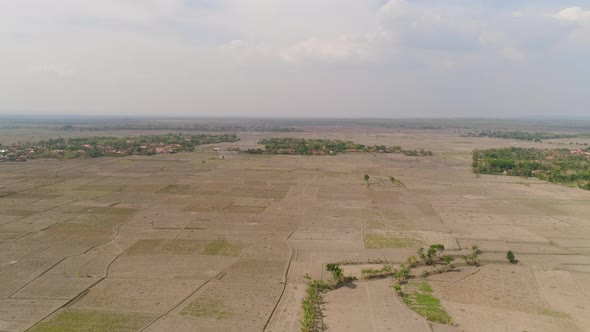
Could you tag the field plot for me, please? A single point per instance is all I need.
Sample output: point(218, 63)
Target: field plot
point(193, 242)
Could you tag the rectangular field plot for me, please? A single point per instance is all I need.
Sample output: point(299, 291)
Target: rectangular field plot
point(310, 232)
point(151, 296)
point(55, 288)
point(240, 304)
point(91, 321)
point(256, 271)
point(499, 219)
point(200, 267)
point(19, 274)
point(186, 247)
point(495, 232)
point(18, 315)
point(244, 209)
point(518, 290)
point(256, 192)
point(87, 265)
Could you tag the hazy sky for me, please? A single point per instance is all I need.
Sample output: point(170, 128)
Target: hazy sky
point(341, 58)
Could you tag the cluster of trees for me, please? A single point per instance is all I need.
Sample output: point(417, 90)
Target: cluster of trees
point(555, 165)
point(524, 135)
point(300, 146)
point(101, 146)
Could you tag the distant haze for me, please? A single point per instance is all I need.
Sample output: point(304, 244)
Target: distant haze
point(304, 58)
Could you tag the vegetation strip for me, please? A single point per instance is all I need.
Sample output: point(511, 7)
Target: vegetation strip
point(523, 135)
point(571, 167)
point(301, 146)
point(311, 305)
point(105, 146)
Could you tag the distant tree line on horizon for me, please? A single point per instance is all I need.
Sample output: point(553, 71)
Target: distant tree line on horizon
point(571, 167)
point(184, 127)
point(105, 146)
point(301, 146)
point(523, 135)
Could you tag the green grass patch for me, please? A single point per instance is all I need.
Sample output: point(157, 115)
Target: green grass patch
point(375, 241)
point(425, 287)
point(223, 248)
point(207, 308)
point(418, 297)
point(555, 314)
point(87, 320)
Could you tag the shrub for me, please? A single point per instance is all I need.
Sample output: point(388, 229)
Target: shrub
point(472, 258)
point(337, 274)
point(510, 257)
point(398, 289)
point(412, 261)
point(432, 255)
point(402, 274)
point(384, 272)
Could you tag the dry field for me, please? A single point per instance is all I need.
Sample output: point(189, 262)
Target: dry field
point(192, 242)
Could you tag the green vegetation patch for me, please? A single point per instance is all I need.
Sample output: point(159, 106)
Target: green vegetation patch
point(555, 314)
point(312, 305)
point(570, 167)
point(523, 135)
point(301, 146)
point(375, 241)
point(103, 146)
point(223, 248)
point(418, 296)
point(425, 287)
point(206, 307)
point(87, 320)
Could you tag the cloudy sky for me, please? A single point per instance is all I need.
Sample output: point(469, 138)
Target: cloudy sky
point(323, 58)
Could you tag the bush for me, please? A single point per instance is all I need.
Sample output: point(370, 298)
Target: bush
point(510, 257)
point(402, 274)
point(431, 256)
point(412, 261)
point(472, 258)
point(398, 289)
point(337, 274)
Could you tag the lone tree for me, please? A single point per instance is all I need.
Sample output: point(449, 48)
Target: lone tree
point(367, 177)
point(510, 257)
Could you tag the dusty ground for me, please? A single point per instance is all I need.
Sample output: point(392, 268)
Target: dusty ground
point(191, 242)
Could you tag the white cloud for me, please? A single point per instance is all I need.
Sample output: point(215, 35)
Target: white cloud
point(347, 47)
point(512, 53)
point(59, 70)
point(573, 14)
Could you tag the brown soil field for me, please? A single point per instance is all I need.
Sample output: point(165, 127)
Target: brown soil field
point(193, 242)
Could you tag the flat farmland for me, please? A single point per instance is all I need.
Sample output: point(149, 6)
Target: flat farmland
point(194, 242)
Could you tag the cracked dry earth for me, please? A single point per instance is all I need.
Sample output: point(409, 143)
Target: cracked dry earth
point(173, 243)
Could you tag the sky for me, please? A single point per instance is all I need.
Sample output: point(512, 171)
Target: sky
point(300, 58)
